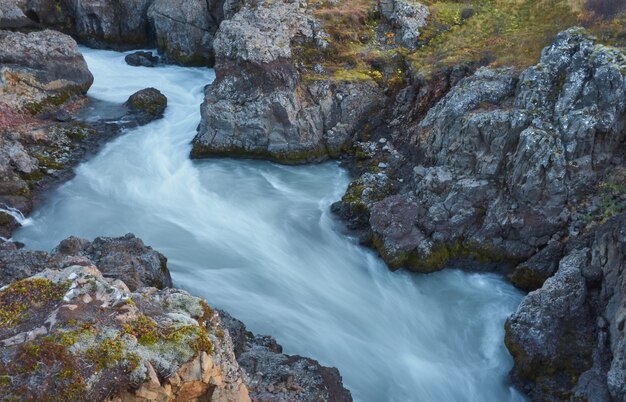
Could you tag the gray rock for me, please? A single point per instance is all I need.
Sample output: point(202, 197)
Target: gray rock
point(185, 30)
point(259, 106)
point(408, 17)
point(39, 69)
point(271, 375)
point(567, 338)
point(503, 164)
point(141, 58)
point(125, 258)
point(147, 105)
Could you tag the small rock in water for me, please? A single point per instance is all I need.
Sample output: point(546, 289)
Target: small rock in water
point(141, 58)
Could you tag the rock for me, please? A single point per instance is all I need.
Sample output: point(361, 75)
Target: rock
point(108, 23)
point(124, 258)
point(272, 375)
point(141, 58)
point(503, 166)
point(567, 338)
point(185, 30)
point(12, 16)
point(259, 105)
point(408, 17)
point(40, 69)
point(148, 104)
point(79, 335)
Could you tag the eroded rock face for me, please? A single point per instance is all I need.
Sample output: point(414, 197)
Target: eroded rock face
point(408, 17)
point(567, 338)
point(99, 23)
point(185, 30)
point(80, 336)
point(259, 106)
point(503, 166)
point(40, 68)
point(123, 258)
point(274, 376)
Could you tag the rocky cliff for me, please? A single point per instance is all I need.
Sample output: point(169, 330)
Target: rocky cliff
point(262, 105)
point(98, 321)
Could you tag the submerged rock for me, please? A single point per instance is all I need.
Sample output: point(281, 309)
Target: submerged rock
point(147, 104)
point(141, 58)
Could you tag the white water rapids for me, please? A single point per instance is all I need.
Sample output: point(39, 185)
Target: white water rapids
point(258, 240)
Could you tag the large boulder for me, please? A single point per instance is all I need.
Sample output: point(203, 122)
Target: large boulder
point(407, 17)
point(80, 336)
point(567, 338)
point(40, 69)
point(260, 106)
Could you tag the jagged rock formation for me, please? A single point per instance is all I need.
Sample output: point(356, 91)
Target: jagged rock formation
point(274, 376)
point(108, 23)
point(185, 30)
point(260, 105)
point(407, 17)
point(499, 168)
point(568, 338)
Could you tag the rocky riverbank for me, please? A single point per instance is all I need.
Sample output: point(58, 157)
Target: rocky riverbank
point(99, 321)
point(505, 169)
point(42, 137)
point(469, 148)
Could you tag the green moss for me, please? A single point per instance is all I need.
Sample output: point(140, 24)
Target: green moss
point(57, 99)
point(439, 256)
point(107, 354)
point(20, 298)
point(175, 55)
point(283, 157)
point(47, 356)
point(48, 162)
point(144, 329)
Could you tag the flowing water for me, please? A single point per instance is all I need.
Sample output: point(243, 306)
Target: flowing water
point(258, 240)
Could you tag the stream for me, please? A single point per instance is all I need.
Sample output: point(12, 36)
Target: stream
point(258, 240)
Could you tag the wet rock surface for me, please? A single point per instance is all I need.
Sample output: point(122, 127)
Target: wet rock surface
point(141, 58)
point(567, 338)
point(260, 106)
point(274, 376)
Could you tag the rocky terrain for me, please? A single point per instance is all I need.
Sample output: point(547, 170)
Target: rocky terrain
point(505, 169)
point(99, 321)
point(42, 92)
point(470, 147)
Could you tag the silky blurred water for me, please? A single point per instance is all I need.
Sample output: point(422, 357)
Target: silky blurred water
point(258, 240)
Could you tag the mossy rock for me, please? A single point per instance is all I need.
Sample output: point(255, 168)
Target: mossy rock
point(150, 101)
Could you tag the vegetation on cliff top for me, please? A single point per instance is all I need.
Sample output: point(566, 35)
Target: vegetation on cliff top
point(495, 32)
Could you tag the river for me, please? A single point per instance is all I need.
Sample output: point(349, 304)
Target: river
point(258, 240)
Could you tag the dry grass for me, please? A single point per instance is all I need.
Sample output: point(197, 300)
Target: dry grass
point(496, 32)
